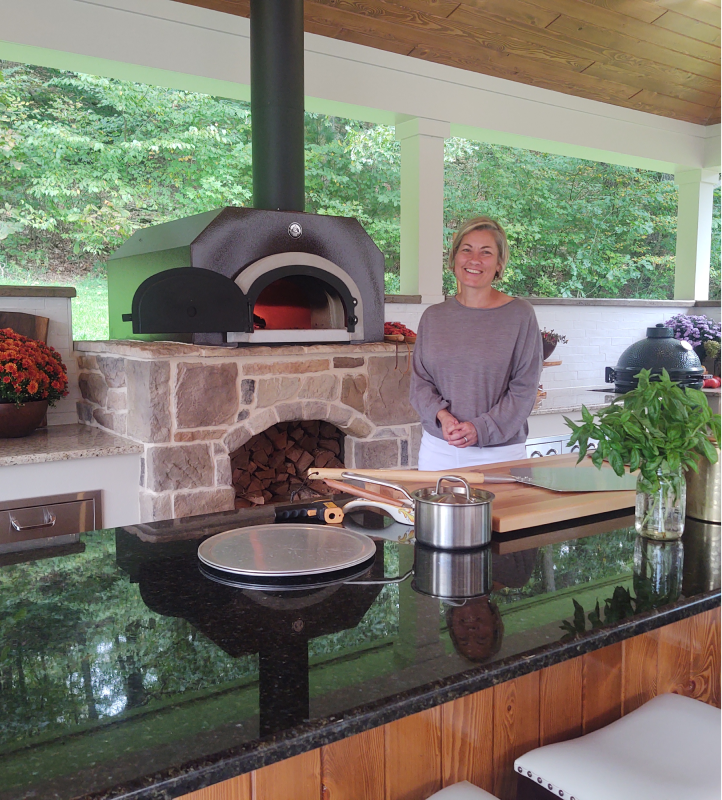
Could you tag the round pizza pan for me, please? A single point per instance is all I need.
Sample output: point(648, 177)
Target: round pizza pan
point(285, 554)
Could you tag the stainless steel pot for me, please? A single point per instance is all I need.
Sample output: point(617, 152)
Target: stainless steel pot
point(457, 518)
point(449, 574)
point(704, 490)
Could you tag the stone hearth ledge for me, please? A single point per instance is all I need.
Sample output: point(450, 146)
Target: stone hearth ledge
point(192, 407)
point(64, 442)
point(134, 348)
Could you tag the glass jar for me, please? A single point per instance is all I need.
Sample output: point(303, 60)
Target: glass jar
point(659, 513)
point(658, 569)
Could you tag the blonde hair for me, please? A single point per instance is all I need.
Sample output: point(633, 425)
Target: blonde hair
point(482, 224)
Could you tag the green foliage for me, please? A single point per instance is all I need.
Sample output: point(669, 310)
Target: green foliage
point(656, 427)
point(85, 161)
point(621, 605)
point(576, 228)
point(714, 266)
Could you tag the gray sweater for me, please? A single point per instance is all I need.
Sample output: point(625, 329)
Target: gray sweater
point(483, 364)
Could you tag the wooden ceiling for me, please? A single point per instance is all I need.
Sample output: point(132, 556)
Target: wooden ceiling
point(658, 56)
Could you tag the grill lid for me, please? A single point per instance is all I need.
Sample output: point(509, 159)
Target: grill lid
point(658, 351)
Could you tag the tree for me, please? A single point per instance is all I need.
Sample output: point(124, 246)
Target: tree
point(576, 228)
point(85, 161)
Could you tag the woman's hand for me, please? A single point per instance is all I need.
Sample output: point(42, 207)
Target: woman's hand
point(447, 421)
point(458, 434)
point(463, 434)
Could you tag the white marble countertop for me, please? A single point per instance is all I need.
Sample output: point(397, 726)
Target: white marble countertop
point(64, 442)
point(568, 399)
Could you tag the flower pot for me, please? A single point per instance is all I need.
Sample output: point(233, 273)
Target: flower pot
point(16, 421)
point(548, 348)
point(659, 512)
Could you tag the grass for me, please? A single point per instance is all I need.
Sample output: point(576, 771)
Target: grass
point(90, 307)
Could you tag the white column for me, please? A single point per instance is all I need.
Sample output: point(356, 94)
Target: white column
point(694, 232)
point(422, 206)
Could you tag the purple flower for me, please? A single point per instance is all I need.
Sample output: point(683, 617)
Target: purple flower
point(694, 329)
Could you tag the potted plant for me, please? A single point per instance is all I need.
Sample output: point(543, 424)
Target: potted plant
point(661, 430)
point(550, 339)
point(700, 331)
point(712, 352)
point(32, 376)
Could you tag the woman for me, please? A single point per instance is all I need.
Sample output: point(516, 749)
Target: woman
point(477, 360)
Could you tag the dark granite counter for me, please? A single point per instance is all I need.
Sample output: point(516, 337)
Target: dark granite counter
point(124, 672)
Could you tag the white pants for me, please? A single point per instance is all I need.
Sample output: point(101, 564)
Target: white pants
point(436, 454)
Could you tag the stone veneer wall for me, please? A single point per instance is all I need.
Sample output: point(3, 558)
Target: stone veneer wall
point(192, 407)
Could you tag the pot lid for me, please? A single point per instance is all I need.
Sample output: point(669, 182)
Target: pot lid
point(453, 495)
point(285, 554)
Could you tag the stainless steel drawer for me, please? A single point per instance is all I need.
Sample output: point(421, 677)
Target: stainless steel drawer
point(48, 521)
point(544, 448)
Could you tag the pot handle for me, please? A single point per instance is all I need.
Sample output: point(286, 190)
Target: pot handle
point(388, 484)
point(403, 515)
point(454, 478)
point(383, 581)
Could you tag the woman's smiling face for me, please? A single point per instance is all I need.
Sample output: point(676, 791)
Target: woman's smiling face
point(477, 259)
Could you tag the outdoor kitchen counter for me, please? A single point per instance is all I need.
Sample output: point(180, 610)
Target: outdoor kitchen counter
point(126, 673)
point(64, 442)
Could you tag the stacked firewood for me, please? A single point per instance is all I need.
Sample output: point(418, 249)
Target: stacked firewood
point(274, 463)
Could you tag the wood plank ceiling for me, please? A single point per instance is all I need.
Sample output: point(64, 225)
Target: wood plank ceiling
point(658, 56)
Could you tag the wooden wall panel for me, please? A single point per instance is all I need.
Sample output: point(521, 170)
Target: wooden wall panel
point(298, 778)
point(560, 702)
point(413, 756)
point(516, 729)
point(477, 738)
point(353, 769)
point(639, 670)
point(673, 658)
point(601, 687)
point(235, 789)
point(467, 737)
point(705, 657)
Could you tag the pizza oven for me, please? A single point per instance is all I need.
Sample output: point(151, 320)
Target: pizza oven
point(270, 274)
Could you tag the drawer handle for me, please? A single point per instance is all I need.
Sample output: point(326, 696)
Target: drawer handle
point(50, 520)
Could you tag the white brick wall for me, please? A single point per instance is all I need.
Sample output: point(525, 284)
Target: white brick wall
point(60, 336)
point(597, 335)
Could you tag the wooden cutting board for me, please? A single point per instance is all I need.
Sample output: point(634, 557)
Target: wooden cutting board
point(517, 506)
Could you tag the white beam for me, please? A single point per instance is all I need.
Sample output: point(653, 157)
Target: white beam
point(422, 206)
point(712, 148)
point(694, 233)
point(183, 46)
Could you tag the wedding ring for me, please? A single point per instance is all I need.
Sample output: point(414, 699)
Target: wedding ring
point(466, 440)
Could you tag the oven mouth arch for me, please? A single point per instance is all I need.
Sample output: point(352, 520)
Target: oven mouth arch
point(262, 273)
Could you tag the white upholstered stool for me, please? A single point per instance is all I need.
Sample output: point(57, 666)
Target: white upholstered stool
point(463, 791)
point(668, 749)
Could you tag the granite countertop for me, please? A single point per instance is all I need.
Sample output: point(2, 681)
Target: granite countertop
point(127, 673)
point(63, 442)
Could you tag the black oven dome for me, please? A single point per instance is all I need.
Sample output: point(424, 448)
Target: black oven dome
point(658, 351)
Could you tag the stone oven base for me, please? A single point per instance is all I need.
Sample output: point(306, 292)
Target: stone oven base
point(192, 407)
